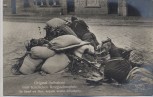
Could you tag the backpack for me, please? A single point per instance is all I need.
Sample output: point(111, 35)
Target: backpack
point(117, 69)
point(35, 42)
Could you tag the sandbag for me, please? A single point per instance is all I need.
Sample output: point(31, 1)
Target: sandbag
point(41, 52)
point(79, 51)
point(64, 41)
point(55, 22)
point(29, 65)
point(55, 64)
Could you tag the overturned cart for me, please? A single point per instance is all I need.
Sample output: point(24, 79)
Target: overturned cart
point(63, 49)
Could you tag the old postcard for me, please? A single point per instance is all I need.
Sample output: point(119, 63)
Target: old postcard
point(77, 47)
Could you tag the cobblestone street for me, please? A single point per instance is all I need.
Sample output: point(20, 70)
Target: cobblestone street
point(16, 33)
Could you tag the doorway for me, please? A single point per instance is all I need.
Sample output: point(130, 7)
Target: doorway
point(26, 3)
point(70, 6)
point(112, 6)
point(13, 6)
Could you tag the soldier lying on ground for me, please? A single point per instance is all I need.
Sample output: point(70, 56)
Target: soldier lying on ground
point(81, 29)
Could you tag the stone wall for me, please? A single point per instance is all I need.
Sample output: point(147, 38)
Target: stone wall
point(81, 7)
point(6, 7)
point(19, 6)
point(64, 6)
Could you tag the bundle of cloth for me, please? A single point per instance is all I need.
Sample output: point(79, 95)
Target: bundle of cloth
point(140, 80)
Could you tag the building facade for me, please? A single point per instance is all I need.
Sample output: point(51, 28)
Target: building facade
point(65, 7)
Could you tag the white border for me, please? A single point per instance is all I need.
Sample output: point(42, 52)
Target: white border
point(1, 48)
point(1, 62)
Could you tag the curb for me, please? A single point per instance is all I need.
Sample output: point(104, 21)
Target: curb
point(91, 21)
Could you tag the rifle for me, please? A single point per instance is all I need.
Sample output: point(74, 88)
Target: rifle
point(89, 63)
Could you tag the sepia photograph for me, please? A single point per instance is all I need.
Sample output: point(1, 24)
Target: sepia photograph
point(77, 47)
